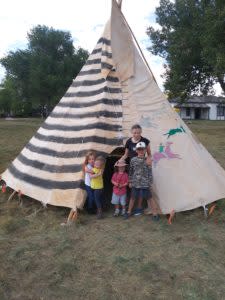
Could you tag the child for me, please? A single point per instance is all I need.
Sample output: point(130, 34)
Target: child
point(130, 149)
point(131, 143)
point(97, 183)
point(120, 182)
point(87, 168)
point(140, 180)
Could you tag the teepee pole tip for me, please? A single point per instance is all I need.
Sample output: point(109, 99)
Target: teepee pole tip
point(120, 3)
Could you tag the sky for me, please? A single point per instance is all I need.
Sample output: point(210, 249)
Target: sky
point(84, 19)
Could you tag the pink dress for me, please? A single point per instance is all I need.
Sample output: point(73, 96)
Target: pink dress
point(120, 178)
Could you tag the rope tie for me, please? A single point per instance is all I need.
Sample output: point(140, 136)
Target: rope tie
point(205, 211)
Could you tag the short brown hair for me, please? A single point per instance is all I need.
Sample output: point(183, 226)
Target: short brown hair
point(136, 126)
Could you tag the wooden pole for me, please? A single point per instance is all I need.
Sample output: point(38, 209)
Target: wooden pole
point(120, 3)
point(20, 198)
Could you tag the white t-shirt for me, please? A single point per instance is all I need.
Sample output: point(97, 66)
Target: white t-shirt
point(87, 179)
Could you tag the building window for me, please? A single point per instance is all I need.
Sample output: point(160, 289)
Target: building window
point(220, 111)
point(188, 112)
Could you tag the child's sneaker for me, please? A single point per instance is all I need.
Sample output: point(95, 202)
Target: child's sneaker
point(99, 214)
point(116, 212)
point(138, 212)
point(123, 212)
point(126, 216)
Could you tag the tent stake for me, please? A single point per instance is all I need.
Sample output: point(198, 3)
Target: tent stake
point(73, 215)
point(211, 210)
point(70, 215)
point(11, 196)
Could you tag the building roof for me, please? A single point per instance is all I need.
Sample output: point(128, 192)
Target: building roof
point(200, 99)
point(195, 105)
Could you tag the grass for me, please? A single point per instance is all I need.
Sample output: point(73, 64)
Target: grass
point(111, 258)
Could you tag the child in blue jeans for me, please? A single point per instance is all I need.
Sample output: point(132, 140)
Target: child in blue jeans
point(140, 181)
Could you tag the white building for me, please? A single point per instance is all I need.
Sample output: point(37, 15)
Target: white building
point(201, 108)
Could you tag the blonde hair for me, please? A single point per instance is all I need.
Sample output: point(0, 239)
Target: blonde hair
point(87, 156)
point(102, 159)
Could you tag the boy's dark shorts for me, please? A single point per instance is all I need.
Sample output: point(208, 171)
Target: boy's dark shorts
point(143, 193)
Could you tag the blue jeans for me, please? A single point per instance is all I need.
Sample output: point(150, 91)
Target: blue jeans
point(98, 197)
point(90, 197)
point(143, 193)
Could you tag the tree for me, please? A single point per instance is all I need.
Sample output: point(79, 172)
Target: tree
point(17, 65)
point(5, 102)
point(213, 39)
point(41, 74)
point(192, 41)
point(10, 102)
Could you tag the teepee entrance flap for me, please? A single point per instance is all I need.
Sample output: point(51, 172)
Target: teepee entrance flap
point(122, 44)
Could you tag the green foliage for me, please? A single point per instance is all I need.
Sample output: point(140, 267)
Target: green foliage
point(40, 75)
point(5, 101)
point(192, 40)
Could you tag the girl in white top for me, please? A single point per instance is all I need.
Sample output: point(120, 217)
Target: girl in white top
point(87, 168)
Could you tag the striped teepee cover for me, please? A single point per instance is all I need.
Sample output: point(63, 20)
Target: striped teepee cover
point(89, 116)
point(114, 90)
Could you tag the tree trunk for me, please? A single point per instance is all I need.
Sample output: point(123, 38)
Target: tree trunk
point(221, 80)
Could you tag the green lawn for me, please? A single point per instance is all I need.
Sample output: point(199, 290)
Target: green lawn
point(111, 258)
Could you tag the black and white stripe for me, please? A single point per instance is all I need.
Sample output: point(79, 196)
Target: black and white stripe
point(89, 116)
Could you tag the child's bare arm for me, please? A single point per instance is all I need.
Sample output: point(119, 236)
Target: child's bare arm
point(96, 175)
point(125, 154)
point(114, 183)
point(148, 160)
point(87, 170)
point(148, 150)
point(124, 184)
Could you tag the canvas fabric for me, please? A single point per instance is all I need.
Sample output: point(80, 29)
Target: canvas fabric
point(185, 175)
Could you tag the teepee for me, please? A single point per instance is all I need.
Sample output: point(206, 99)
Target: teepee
point(114, 90)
